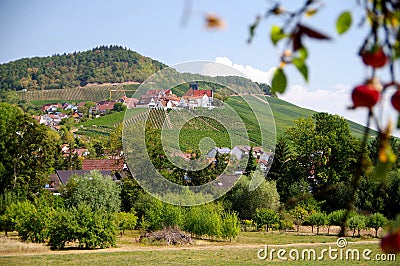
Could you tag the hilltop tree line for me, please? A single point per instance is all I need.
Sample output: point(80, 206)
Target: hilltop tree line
point(109, 64)
point(103, 64)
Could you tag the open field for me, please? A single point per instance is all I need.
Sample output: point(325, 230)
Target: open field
point(241, 251)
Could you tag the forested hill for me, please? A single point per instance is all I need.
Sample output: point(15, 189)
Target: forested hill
point(104, 64)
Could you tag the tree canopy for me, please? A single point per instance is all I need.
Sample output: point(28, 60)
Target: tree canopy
point(113, 64)
point(27, 150)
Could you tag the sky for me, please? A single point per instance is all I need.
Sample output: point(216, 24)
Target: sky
point(156, 29)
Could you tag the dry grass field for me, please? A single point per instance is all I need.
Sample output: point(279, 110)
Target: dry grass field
point(243, 250)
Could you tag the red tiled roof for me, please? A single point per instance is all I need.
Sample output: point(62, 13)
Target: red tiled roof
point(200, 93)
point(102, 164)
point(106, 106)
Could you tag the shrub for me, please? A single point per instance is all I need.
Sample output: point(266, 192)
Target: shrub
point(126, 221)
point(230, 225)
point(30, 221)
point(91, 229)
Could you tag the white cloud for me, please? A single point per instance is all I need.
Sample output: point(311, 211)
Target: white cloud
point(336, 101)
point(252, 73)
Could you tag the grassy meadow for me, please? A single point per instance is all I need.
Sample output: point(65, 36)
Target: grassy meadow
point(241, 251)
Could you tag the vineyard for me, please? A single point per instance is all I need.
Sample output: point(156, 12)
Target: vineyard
point(92, 93)
point(191, 126)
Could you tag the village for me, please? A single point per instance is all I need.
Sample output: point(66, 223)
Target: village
point(113, 163)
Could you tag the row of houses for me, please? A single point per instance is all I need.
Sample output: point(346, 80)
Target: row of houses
point(241, 151)
point(238, 152)
point(53, 113)
point(165, 99)
point(115, 166)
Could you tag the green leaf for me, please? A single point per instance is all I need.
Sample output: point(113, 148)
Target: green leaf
point(279, 81)
point(343, 22)
point(302, 67)
point(252, 29)
point(303, 53)
point(277, 34)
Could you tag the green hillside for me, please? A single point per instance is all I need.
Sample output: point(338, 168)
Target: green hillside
point(104, 64)
point(284, 115)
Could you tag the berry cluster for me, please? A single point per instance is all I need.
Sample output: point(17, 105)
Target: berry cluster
point(369, 93)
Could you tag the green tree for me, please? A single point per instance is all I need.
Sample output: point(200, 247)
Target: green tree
point(126, 221)
point(172, 215)
point(283, 169)
point(130, 192)
point(30, 220)
point(299, 215)
point(27, 152)
point(94, 190)
point(115, 139)
point(393, 189)
point(317, 219)
point(376, 221)
point(204, 220)
point(357, 222)
point(230, 225)
point(251, 163)
point(245, 202)
point(119, 107)
point(90, 228)
point(326, 153)
point(267, 218)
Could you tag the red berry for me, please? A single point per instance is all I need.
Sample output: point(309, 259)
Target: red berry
point(375, 58)
point(396, 100)
point(391, 243)
point(365, 95)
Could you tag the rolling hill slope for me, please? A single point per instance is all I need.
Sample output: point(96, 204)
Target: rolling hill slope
point(284, 114)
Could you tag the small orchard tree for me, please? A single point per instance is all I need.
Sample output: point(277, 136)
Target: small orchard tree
point(267, 217)
point(299, 215)
point(285, 221)
point(31, 222)
point(376, 221)
point(230, 225)
point(317, 219)
point(337, 217)
point(126, 221)
point(204, 220)
point(357, 222)
point(172, 215)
